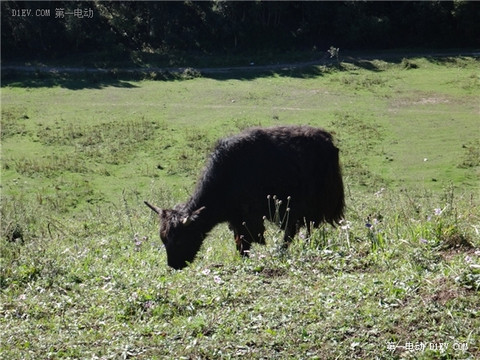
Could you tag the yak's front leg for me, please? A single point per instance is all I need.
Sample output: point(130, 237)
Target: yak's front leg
point(243, 246)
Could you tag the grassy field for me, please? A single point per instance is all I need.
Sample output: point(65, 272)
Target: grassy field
point(83, 271)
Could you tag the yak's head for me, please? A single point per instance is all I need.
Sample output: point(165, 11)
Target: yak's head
point(180, 234)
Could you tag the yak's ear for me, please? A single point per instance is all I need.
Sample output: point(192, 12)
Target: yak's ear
point(153, 207)
point(193, 216)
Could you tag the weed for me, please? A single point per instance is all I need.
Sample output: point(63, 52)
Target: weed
point(408, 64)
point(13, 123)
point(190, 73)
point(363, 82)
point(278, 214)
point(471, 156)
point(470, 277)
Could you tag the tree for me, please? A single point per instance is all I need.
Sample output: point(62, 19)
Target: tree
point(238, 27)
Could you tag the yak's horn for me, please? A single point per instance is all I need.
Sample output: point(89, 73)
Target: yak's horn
point(153, 207)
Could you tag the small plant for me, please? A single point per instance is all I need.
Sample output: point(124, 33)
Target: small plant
point(374, 233)
point(334, 52)
point(471, 156)
point(443, 226)
point(470, 277)
point(274, 212)
point(190, 73)
point(408, 64)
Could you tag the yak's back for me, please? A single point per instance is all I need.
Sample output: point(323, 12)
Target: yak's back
point(279, 134)
point(278, 138)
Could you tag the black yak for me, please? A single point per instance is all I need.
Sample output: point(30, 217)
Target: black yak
point(296, 165)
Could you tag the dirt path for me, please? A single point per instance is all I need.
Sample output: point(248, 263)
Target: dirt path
point(225, 70)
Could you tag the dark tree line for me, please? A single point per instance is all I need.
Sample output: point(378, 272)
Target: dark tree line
point(242, 26)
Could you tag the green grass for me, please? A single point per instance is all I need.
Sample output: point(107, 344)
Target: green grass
point(83, 272)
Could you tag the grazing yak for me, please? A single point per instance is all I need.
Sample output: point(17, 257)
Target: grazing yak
point(298, 166)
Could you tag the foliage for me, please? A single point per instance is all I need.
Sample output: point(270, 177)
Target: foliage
point(127, 29)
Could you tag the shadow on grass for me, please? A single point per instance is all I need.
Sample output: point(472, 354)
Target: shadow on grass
point(99, 78)
point(76, 79)
point(252, 73)
point(68, 80)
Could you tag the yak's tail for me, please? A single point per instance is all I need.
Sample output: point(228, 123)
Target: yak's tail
point(334, 190)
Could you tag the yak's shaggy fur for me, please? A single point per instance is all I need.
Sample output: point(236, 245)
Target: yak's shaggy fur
point(244, 173)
